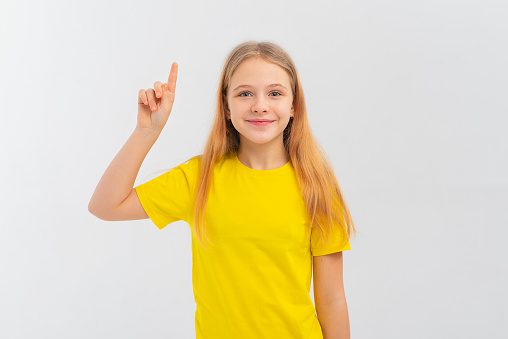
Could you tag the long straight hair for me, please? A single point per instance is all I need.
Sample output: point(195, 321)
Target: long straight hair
point(320, 189)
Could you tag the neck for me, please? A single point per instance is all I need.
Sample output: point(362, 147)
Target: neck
point(263, 157)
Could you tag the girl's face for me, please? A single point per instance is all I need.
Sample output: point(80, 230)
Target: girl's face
point(260, 91)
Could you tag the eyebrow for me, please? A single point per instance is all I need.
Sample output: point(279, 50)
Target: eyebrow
point(269, 86)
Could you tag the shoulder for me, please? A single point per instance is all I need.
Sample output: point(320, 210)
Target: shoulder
point(187, 168)
point(192, 162)
point(191, 166)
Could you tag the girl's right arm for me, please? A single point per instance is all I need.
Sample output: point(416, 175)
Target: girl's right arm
point(114, 197)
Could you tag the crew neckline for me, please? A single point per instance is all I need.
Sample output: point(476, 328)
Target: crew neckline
point(284, 169)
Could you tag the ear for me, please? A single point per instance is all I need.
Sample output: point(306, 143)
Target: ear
point(292, 111)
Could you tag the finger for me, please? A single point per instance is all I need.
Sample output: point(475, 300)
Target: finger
point(167, 100)
point(172, 77)
point(167, 94)
point(158, 89)
point(142, 97)
point(151, 99)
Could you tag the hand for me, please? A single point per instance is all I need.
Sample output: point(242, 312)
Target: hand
point(154, 105)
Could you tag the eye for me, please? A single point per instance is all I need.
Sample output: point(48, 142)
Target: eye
point(279, 94)
point(241, 94)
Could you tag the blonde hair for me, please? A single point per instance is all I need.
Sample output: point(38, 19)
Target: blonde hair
point(319, 186)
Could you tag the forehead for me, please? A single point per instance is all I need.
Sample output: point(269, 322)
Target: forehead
point(257, 71)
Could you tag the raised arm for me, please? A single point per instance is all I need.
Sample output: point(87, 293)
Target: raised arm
point(114, 197)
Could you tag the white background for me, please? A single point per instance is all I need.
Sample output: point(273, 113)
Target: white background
point(408, 99)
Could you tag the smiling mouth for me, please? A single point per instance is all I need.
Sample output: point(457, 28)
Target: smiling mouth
point(260, 122)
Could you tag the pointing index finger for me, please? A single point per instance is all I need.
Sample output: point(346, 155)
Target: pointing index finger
point(172, 77)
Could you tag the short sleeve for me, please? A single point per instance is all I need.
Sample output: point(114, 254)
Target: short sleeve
point(168, 197)
point(337, 242)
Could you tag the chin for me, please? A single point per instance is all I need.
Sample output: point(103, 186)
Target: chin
point(258, 139)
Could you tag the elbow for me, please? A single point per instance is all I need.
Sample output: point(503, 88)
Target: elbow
point(95, 211)
point(92, 211)
point(103, 212)
point(331, 303)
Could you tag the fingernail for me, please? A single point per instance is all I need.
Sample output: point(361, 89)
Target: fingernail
point(159, 94)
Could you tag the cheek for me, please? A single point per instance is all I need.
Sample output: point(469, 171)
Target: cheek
point(283, 107)
point(238, 108)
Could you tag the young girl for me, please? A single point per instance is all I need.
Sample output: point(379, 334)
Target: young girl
point(262, 201)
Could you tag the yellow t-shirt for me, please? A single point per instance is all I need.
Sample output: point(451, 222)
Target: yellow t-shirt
point(256, 283)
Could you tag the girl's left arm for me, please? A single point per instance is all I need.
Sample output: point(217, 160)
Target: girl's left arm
point(329, 296)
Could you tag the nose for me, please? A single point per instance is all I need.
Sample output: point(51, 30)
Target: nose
point(260, 105)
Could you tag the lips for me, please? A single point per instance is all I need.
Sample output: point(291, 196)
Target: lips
point(258, 122)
